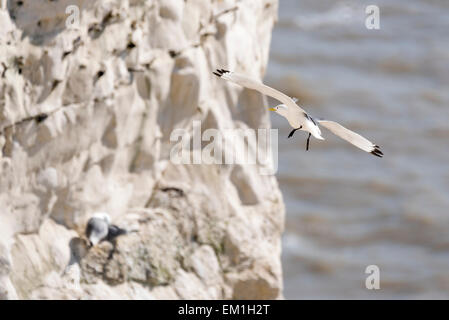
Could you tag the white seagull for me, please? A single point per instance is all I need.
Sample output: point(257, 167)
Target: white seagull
point(99, 228)
point(297, 117)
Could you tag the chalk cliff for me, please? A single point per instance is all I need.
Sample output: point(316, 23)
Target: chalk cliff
point(86, 113)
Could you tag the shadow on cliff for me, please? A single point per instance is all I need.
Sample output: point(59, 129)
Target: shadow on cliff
point(78, 250)
point(42, 20)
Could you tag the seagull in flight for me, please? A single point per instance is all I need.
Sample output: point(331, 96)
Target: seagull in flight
point(297, 117)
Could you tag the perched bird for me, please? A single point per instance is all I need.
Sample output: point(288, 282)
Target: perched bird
point(297, 117)
point(99, 228)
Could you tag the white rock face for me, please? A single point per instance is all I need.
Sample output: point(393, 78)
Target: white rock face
point(86, 113)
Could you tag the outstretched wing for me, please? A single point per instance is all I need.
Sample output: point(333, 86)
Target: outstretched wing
point(253, 84)
point(351, 137)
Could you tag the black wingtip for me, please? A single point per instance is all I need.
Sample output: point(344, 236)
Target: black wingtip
point(376, 151)
point(115, 231)
point(220, 72)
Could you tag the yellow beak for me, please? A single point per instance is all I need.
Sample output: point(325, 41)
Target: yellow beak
point(272, 109)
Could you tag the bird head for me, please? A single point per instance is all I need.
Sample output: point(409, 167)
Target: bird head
point(97, 227)
point(93, 241)
point(102, 215)
point(280, 109)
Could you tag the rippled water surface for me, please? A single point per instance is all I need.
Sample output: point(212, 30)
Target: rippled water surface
point(347, 209)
